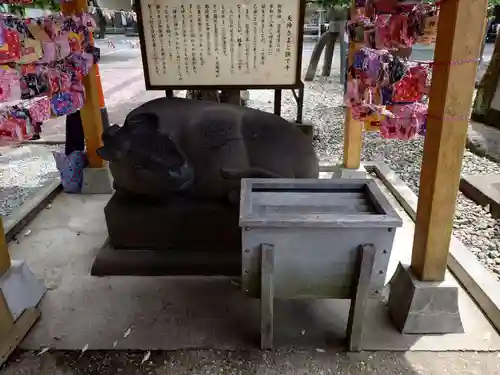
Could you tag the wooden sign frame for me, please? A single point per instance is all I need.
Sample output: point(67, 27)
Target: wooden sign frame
point(150, 85)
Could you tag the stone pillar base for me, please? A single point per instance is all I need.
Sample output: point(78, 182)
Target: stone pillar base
point(20, 289)
point(418, 307)
point(341, 172)
point(97, 181)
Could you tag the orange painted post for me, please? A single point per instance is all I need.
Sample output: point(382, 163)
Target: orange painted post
point(91, 111)
point(102, 103)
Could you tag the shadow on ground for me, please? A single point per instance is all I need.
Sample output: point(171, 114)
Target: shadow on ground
point(252, 362)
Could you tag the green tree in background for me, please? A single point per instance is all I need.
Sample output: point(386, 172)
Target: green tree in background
point(52, 5)
point(331, 3)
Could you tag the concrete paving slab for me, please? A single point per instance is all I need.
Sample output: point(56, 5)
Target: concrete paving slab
point(484, 190)
point(170, 313)
point(484, 140)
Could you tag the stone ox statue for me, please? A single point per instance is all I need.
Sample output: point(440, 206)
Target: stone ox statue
point(202, 149)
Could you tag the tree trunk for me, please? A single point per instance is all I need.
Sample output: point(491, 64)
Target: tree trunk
point(487, 86)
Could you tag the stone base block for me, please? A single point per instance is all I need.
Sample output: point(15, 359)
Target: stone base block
point(21, 289)
point(179, 224)
point(417, 307)
point(341, 172)
point(97, 181)
point(179, 236)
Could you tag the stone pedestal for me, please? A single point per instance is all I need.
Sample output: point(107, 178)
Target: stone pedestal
point(179, 224)
point(341, 172)
point(417, 307)
point(179, 236)
point(20, 289)
point(97, 181)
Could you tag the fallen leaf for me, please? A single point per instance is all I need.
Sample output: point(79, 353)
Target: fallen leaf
point(28, 232)
point(320, 350)
point(127, 333)
point(44, 350)
point(146, 357)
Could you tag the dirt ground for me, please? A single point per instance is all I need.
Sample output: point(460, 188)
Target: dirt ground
point(208, 362)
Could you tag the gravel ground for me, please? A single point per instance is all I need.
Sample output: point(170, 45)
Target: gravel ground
point(24, 171)
point(473, 225)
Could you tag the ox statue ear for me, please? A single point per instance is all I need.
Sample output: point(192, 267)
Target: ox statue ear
point(107, 153)
point(109, 133)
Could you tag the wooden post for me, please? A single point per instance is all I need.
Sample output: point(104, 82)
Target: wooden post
point(453, 77)
point(353, 129)
point(91, 111)
point(11, 332)
point(6, 321)
point(4, 251)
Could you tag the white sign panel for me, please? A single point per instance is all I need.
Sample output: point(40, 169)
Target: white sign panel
point(221, 42)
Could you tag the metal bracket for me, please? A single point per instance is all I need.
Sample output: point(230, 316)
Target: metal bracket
point(299, 99)
point(360, 296)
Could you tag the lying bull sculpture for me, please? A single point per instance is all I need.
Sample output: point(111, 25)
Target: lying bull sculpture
point(202, 149)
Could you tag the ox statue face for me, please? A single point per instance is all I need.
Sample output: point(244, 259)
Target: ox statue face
point(143, 160)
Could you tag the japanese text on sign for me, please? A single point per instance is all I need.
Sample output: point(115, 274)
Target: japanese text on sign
point(221, 42)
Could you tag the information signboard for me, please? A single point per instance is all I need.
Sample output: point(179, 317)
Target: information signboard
point(224, 44)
